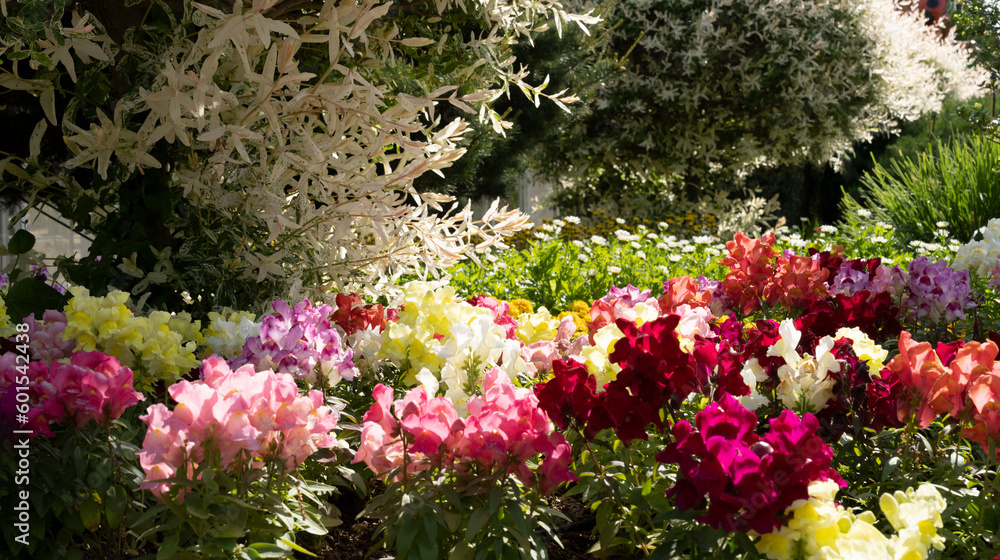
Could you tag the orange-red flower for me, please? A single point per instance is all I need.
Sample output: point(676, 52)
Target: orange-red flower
point(986, 427)
point(799, 278)
point(751, 271)
point(682, 290)
point(933, 388)
point(977, 362)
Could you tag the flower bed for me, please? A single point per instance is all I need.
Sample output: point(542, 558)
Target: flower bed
point(763, 399)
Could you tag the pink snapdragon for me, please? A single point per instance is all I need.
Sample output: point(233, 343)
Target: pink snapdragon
point(629, 295)
point(92, 386)
point(500, 310)
point(302, 342)
point(620, 303)
point(41, 411)
point(503, 429)
point(543, 353)
point(229, 413)
point(995, 275)
point(46, 338)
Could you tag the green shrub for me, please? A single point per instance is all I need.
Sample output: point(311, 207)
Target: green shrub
point(955, 182)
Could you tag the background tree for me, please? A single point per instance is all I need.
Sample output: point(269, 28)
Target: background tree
point(714, 89)
point(246, 151)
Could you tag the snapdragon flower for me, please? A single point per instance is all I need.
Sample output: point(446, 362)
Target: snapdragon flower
point(502, 429)
point(88, 386)
point(979, 257)
point(819, 528)
point(745, 482)
point(231, 415)
point(227, 332)
point(300, 341)
point(159, 346)
point(937, 292)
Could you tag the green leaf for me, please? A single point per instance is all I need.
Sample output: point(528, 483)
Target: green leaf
point(606, 529)
point(476, 523)
point(296, 547)
point(90, 514)
point(21, 242)
point(407, 533)
point(169, 547)
point(115, 502)
point(746, 545)
point(681, 514)
point(195, 508)
point(647, 487)
point(890, 467)
point(42, 58)
point(31, 296)
point(430, 528)
point(494, 500)
point(150, 513)
point(267, 550)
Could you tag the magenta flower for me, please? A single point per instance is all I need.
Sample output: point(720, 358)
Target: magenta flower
point(92, 386)
point(742, 481)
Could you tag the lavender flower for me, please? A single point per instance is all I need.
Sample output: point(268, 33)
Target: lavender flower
point(890, 280)
point(719, 305)
point(938, 292)
point(629, 295)
point(301, 342)
point(849, 281)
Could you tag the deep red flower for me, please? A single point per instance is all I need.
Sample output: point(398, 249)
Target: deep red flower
point(746, 482)
point(567, 397)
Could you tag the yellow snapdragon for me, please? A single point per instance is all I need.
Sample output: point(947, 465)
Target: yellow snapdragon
point(821, 529)
point(165, 353)
point(645, 313)
point(428, 313)
point(6, 327)
point(91, 320)
point(596, 356)
point(160, 346)
point(536, 327)
point(865, 348)
point(916, 517)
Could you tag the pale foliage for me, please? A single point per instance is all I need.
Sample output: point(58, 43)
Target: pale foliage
point(728, 85)
point(325, 159)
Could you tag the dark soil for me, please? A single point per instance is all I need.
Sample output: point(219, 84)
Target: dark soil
point(355, 538)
